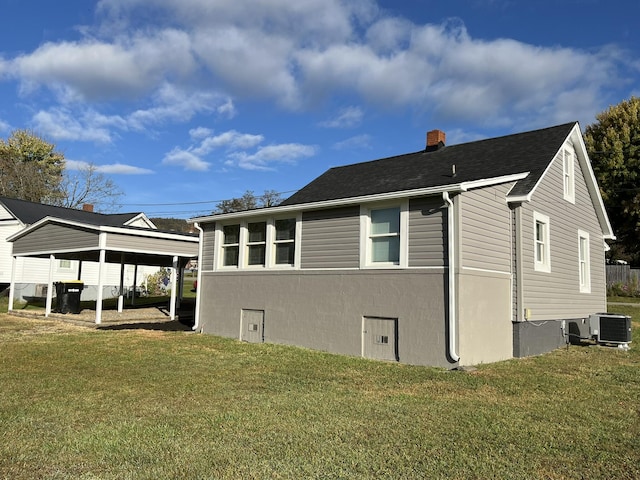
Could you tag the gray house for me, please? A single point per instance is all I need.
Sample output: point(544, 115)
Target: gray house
point(452, 255)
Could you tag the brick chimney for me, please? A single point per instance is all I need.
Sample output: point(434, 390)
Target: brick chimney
point(87, 207)
point(436, 139)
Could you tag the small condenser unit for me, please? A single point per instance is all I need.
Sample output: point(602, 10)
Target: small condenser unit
point(610, 328)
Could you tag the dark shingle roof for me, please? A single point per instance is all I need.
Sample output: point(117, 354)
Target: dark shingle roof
point(495, 157)
point(30, 213)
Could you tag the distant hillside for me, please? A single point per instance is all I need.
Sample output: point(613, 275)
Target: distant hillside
point(173, 225)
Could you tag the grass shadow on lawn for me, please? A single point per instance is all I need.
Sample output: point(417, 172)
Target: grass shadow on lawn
point(169, 326)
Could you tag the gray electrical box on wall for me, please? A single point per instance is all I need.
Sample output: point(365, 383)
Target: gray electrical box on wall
point(610, 328)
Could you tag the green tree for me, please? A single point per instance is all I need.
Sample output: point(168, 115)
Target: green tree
point(613, 144)
point(248, 201)
point(30, 168)
point(172, 224)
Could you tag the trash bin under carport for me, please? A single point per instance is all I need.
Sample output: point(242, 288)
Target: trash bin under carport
point(68, 296)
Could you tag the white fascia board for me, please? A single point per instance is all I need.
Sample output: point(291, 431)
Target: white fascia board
point(487, 182)
point(457, 187)
point(592, 183)
point(54, 252)
point(101, 228)
point(575, 135)
point(328, 203)
point(527, 197)
point(142, 232)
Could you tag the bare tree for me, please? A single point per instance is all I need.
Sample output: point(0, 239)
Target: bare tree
point(248, 201)
point(88, 186)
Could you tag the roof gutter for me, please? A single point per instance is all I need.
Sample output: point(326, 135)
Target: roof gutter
point(451, 255)
point(341, 202)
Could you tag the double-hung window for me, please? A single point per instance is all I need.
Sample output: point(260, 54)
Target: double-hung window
point(230, 245)
point(383, 236)
point(285, 241)
point(584, 262)
point(568, 177)
point(256, 243)
point(542, 249)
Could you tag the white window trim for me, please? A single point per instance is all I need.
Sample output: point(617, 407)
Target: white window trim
point(243, 259)
point(545, 265)
point(271, 243)
point(585, 287)
point(220, 247)
point(568, 174)
point(365, 231)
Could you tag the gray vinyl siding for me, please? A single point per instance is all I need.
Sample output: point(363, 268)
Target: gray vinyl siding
point(208, 246)
point(52, 238)
point(331, 238)
point(427, 227)
point(486, 234)
point(116, 241)
point(556, 295)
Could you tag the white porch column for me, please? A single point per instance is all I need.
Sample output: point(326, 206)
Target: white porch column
point(121, 290)
point(174, 270)
point(101, 270)
point(52, 262)
point(12, 285)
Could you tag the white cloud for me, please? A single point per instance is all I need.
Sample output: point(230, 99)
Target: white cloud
point(94, 70)
point(200, 132)
point(359, 141)
point(61, 124)
point(264, 157)
point(227, 109)
point(185, 159)
point(231, 140)
point(4, 126)
point(347, 118)
point(237, 149)
point(299, 53)
point(112, 169)
point(76, 122)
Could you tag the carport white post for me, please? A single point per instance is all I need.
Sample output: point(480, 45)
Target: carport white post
point(12, 285)
point(47, 310)
point(103, 253)
point(174, 270)
point(121, 290)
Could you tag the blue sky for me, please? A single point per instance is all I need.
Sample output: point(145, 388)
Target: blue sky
point(183, 103)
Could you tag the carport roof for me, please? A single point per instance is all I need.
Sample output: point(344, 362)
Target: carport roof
point(29, 213)
point(84, 241)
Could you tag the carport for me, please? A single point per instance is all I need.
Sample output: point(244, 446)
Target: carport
point(55, 238)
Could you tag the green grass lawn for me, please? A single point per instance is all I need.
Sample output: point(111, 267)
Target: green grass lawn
point(136, 404)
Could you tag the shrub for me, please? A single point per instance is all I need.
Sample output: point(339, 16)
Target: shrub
point(158, 283)
point(624, 289)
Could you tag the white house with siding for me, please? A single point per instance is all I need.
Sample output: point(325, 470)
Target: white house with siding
point(449, 256)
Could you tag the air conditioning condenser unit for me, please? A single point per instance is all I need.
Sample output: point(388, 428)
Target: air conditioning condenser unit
point(610, 328)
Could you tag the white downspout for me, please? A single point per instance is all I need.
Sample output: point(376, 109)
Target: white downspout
point(451, 253)
point(196, 315)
